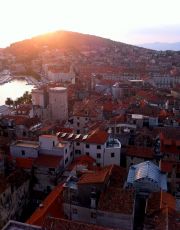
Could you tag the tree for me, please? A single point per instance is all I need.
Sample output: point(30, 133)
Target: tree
point(15, 104)
point(27, 97)
point(9, 102)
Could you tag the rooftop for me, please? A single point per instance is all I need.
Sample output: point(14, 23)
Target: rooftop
point(158, 200)
point(29, 144)
point(48, 161)
point(117, 200)
point(97, 137)
point(51, 206)
point(14, 225)
point(63, 224)
point(56, 89)
point(139, 151)
point(113, 143)
point(95, 177)
point(147, 171)
point(83, 160)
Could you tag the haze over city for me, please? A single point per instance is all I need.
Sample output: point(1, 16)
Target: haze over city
point(133, 22)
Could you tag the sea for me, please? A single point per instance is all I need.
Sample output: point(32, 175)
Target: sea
point(13, 89)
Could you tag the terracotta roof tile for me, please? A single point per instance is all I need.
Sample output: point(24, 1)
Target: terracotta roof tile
point(141, 152)
point(51, 206)
point(97, 137)
point(159, 200)
point(117, 200)
point(63, 224)
point(118, 176)
point(49, 161)
point(83, 160)
point(24, 163)
point(95, 177)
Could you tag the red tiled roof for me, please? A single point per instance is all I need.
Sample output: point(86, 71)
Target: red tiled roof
point(64, 130)
point(117, 200)
point(60, 69)
point(159, 200)
point(165, 218)
point(24, 163)
point(63, 224)
point(118, 176)
point(97, 137)
point(118, 119)
point(83, 160)
point(18, 119)
point(51, 206)
point(48, 161)
point(22, 120)
point(96, 177)
point(166, 166)
point(141, 152)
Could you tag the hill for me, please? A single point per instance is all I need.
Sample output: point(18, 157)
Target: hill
point(89, 54)
point(65, 40)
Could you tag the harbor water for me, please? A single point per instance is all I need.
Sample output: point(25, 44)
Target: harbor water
point(13, 89)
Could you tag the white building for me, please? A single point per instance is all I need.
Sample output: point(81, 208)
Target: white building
point(164, 81)
point(49, 157)
point(47, 145)
point(98, 145)
point(61, 75)
point(58, 103)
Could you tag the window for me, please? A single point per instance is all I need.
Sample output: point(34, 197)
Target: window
point(78, 124)
point(65, 150)
point(98, 146)
point(98, 155)
point(77, 143)
point(112, 154)
point(93, 215)
point(98, 164)
point(71, 154)
point(78, 131)
point(24, 133)
point(87, 153)
point(87, 146)
point(53, 144)
point(117, 129)
point(23, 152)
point(66, 161)
point(77, 151)
point(74, 211)
point(86, 118)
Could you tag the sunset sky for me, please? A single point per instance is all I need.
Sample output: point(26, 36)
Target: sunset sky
point(130, 21)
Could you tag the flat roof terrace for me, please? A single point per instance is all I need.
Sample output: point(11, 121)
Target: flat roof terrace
point(28, 144)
